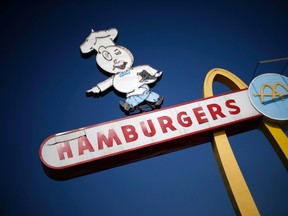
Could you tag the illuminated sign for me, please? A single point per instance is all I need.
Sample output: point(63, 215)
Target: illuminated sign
point(98, 147)
point(268, 94)
point(94, 148)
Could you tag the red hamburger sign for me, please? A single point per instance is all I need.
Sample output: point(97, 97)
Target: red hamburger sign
point(114, 143)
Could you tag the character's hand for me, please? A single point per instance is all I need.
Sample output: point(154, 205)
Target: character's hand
point(95, 89)
point(158, 74)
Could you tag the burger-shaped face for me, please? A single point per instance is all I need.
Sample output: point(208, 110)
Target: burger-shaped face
point(114, 59)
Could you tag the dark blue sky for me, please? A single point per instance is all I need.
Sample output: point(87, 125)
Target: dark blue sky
point(44, 79)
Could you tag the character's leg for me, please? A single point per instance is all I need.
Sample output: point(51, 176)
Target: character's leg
point(134, 100)
point(155, 98)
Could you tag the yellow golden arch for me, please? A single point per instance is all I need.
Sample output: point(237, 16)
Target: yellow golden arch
point(237, 188)
point(274, 93)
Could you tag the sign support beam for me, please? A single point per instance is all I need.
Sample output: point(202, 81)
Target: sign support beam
point(236, 186)
point(278, 140)
point(234, 181)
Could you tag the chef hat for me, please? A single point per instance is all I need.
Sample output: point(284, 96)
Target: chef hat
point(98, 39)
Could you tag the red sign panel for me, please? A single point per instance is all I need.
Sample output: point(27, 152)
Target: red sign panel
point(114, 143)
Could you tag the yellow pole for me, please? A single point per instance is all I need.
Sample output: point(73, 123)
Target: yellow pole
point(236, 186)
point(278, 140)
point(234, 181)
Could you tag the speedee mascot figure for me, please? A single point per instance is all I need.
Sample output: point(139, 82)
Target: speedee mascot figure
point(118, 60)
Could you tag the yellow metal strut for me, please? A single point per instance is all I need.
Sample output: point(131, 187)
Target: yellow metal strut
point(234, 181)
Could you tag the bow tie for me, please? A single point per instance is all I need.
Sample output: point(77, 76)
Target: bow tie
point(123, 73)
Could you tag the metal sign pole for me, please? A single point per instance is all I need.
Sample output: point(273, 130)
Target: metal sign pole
point(234, 181)
point(278, 140)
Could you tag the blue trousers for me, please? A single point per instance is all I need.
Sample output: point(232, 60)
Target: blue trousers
point(148, 95)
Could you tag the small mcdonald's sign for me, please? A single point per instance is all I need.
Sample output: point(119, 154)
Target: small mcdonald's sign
point(268, 94)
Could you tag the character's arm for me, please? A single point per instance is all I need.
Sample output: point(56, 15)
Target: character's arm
point(102, 86)
point(147, 73)
point(149, 69)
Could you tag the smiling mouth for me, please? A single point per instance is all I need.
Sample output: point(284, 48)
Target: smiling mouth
point(120, 66)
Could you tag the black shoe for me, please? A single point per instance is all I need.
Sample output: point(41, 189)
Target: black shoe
point(159, 101)
point(125, 106)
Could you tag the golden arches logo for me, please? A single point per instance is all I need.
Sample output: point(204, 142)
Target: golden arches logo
point(237, 188)
point(274, 93)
